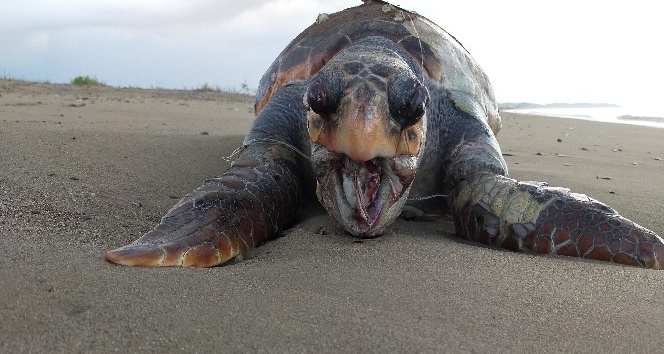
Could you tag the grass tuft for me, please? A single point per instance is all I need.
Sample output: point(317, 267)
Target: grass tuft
point(86, 81)
point(208, 88)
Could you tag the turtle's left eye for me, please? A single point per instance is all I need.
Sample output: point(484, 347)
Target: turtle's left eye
point(407, 98)
point(415, 105)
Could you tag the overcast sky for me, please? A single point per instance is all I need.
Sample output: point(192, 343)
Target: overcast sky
point(554, 51)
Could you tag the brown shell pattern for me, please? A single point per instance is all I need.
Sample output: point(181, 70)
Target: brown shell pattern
point(442, 57)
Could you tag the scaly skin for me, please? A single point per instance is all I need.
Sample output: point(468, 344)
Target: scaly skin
point(227, 216)
point(530, 217)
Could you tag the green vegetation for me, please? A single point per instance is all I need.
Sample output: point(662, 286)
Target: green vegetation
point(86, 81)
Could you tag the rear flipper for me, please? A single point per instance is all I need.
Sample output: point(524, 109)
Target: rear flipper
point(225, 217)
point(530, 217)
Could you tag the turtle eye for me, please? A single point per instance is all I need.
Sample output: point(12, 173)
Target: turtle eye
point(317, 98)
point(415, 106)
point(324, 93)
point(407, 98)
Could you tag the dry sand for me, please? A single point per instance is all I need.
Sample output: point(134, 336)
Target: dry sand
point(84, 170)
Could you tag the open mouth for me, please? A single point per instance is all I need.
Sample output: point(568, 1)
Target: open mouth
point(364, 196)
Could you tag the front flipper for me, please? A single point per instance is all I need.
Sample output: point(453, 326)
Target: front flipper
point(225, 217)
point(530, 217)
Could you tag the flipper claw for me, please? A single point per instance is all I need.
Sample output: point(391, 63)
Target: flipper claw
point(137, 255)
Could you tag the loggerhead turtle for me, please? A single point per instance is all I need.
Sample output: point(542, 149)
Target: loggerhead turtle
point(378, 106)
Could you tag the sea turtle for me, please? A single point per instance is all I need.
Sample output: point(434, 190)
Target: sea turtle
point(377, 107)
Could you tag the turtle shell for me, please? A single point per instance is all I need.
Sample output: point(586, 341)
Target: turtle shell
point(444, 60)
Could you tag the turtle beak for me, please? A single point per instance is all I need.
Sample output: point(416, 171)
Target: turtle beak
point(365, 197)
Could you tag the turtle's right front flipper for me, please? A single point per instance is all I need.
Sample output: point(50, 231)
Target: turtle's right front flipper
point(531, 217)
point(245, 206)
point(226, 217)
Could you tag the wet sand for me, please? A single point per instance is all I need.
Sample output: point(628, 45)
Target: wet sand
point(84, 170)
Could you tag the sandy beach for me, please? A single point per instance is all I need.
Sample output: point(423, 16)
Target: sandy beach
point(87, 169)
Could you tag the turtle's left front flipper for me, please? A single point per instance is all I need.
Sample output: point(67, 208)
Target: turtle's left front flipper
point(531, 217)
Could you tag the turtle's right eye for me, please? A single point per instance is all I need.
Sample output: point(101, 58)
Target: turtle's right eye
point(317, 99)
point(325, 91)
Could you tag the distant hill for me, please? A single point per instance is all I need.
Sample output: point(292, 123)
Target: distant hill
point(528, 105)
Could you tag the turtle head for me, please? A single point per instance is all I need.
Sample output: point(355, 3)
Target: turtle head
point(367, 124)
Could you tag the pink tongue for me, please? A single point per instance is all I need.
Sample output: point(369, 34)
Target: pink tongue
point(373, 180)
point(368, 186)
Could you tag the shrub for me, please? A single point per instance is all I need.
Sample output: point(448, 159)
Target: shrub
point(85, 81)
